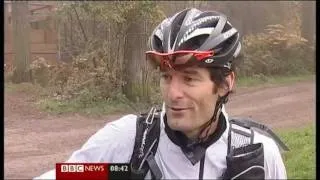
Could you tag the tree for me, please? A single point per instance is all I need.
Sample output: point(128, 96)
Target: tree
point(132, 67)
point(308, 21)
point(21, 48)
point(137, 15)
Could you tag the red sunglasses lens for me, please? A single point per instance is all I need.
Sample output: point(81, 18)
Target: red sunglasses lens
point(175, 59)
point(168, 59)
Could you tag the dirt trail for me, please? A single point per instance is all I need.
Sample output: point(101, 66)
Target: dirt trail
point(35, 141)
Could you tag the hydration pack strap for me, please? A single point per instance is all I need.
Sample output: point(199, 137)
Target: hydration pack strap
point(145, 147)
point(238, 137)
point(245, 160)
point(154, 168)
point(249, 123)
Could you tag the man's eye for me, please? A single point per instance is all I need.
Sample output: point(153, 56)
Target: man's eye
point(188, 79)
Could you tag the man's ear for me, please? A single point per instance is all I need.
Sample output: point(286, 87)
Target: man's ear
point(227, 87)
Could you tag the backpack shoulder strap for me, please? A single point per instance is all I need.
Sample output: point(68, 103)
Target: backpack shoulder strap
point(250, 124)
point(146, 144)
point(238, 136)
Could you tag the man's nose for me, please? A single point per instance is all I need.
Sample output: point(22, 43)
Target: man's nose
point(175, 90)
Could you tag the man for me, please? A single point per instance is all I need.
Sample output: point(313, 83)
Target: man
point(195, 52)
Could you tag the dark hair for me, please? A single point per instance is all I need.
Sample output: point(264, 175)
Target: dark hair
point(218, 76)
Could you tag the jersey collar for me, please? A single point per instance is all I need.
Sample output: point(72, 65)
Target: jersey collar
point(195, 151)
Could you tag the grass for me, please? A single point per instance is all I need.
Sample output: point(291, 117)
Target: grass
point(92, 108)
point(272, 80)
point(300, 160)
point(33, 91)
point(27, 88)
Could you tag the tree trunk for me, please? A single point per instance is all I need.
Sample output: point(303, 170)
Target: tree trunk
point(136, 87)
point(21, 46)
point(308, 21)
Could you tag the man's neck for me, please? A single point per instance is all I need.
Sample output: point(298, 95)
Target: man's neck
point(195, 134)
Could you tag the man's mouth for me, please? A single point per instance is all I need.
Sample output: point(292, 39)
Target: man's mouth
point(178, 108)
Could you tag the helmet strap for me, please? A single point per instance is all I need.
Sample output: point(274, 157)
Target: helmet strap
point(220, 101)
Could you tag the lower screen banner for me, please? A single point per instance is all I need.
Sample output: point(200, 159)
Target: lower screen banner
point(92, 171)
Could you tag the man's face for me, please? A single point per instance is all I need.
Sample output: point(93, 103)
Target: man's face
point(189, 98)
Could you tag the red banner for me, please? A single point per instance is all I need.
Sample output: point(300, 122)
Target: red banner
point(92, 171)
point(82, 171)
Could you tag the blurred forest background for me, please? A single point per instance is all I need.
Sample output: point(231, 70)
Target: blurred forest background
point(92, 53)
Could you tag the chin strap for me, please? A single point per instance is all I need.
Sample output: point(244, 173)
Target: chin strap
point(220, 101)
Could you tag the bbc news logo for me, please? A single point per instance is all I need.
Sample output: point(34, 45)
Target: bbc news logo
point(82, 168)
point(82, 171)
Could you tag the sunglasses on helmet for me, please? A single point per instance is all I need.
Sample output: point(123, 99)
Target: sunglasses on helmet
point(177, 58)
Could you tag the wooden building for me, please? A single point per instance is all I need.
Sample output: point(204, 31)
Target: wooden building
point(43, 33)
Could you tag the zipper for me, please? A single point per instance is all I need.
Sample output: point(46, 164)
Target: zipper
point(201, 168)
